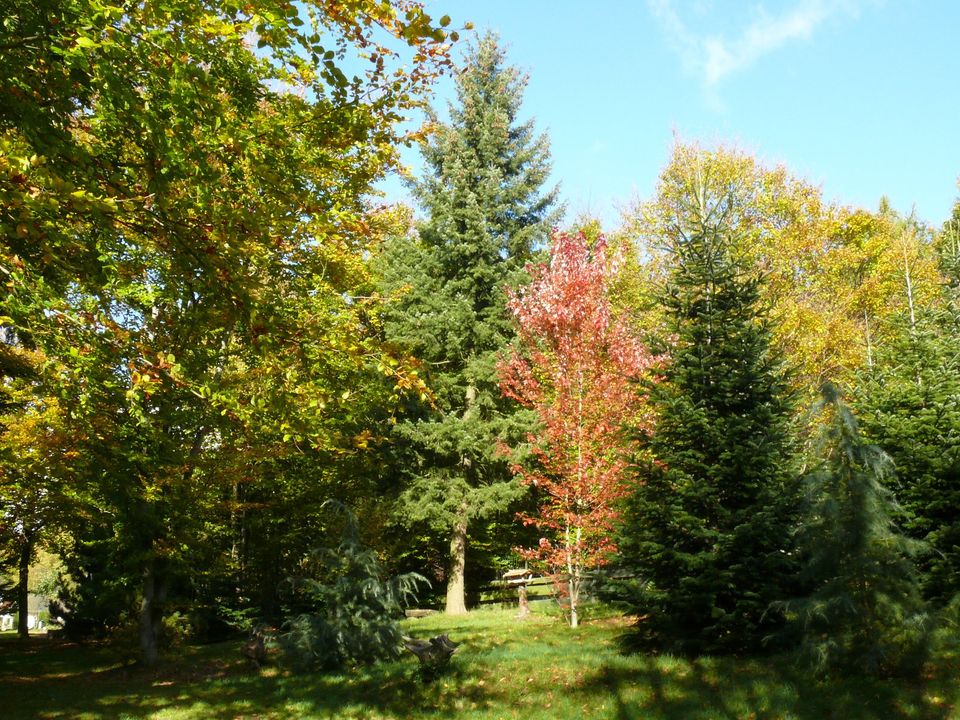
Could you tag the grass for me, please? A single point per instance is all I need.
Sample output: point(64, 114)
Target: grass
point(536, 669)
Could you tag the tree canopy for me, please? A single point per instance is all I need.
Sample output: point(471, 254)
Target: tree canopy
point(573, 366)
point(184, 195)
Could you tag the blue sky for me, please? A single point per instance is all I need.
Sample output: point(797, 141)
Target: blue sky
point(856, 96)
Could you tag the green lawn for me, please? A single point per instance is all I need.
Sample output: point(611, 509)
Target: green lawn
point(505, 669)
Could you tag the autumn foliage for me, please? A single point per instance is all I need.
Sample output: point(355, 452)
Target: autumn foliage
point(575, 365)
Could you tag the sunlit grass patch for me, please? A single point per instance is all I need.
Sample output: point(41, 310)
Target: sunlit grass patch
point(536, 669)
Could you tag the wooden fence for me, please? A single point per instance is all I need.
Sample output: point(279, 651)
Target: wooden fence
point(503, 593)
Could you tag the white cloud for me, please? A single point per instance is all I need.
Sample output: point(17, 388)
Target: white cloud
point(713, 57)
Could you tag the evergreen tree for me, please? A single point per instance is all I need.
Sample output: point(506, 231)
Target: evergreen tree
point(706, 531)
point(486, 215)
point(864, 613)
point(909, 403)
point(354, 606)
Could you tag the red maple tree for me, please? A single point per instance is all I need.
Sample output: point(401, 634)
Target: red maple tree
point(574, 366)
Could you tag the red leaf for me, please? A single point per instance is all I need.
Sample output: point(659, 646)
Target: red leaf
point(575, 368)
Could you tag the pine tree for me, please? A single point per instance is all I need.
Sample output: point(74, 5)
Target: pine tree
point(706, 531)
point(864, 613)
point(486, 215)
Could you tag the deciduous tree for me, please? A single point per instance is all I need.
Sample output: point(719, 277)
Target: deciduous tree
point(185, 229)
point(38, 492)
point(576, 365)
point(835, 276)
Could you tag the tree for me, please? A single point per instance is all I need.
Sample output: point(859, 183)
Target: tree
point(34, 474)
point(835, 277)
point(908, 401)
point(185, 229)
point(864, 613)
point(486, 213)
point(37, 468)
point(948, 250)
point(706, 531)
point(354, 608)
point(574, 366)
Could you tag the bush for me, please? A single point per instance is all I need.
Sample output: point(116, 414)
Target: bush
point(355, 608)
point(177, 629)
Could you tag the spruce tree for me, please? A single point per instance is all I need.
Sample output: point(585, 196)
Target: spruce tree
point(864, 613)
point(706, 530)
point(486, 214)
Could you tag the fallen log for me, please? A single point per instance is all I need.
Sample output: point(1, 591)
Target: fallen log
point(418, 612)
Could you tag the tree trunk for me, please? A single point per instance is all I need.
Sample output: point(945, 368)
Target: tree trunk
point(23, 589)
point(574, 602)
point(456, 604)
point(574, 570)
point(151, 611)
point(909, 284)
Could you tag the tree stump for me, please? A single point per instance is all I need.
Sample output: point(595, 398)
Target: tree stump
point(255, 649)
point(436, 651)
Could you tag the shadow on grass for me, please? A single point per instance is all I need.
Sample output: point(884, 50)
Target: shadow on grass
point(718, 688)
point(53, 685)
point(535, 670)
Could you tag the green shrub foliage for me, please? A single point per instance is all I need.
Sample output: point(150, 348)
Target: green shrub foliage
point(355, 608)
